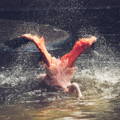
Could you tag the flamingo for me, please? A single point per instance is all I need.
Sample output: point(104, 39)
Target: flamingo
point(60, 71)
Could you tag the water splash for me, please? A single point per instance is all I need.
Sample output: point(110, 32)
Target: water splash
point(98, 69)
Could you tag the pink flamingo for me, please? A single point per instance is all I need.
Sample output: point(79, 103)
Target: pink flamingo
point(60, 71)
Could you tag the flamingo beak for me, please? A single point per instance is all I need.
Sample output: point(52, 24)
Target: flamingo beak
point(75, 89)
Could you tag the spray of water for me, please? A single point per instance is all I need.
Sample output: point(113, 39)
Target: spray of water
point(98, 69)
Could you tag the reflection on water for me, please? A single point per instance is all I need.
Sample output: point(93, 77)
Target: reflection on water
point(66, 109)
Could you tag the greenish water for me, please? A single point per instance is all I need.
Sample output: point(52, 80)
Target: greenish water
point(63, 109)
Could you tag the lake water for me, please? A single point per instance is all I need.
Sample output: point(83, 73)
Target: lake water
point(101, 98)
point(63, 109)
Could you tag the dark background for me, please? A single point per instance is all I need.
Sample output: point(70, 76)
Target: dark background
point(78, 17)
point(66, 14)
point(70, 15)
